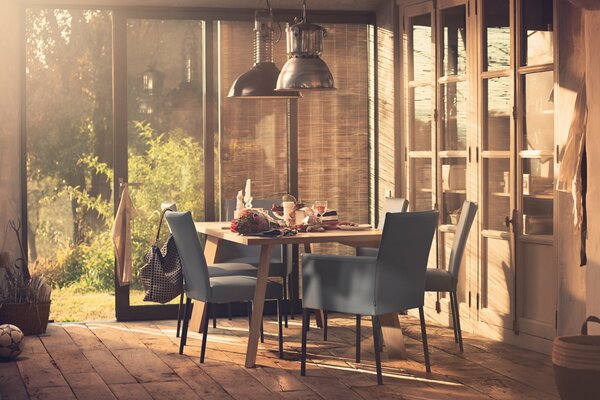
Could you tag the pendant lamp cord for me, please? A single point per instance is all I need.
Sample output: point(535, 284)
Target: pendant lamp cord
point(303, 10)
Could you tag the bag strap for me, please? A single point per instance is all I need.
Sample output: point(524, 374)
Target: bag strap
point(162, 216)
point(584, 327)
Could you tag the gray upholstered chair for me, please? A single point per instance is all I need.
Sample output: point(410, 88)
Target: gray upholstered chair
point(212, 290)
point(237, 253)
point(393, 281)
point(392, 205)
point(441, 280)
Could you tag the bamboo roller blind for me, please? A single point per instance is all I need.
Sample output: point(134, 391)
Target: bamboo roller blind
point(333, 126)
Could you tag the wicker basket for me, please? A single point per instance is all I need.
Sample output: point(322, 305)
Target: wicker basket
point(31, 318)
point(576, 362)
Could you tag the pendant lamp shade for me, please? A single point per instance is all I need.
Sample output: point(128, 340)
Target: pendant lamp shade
point(260, 81)
point(305, 69)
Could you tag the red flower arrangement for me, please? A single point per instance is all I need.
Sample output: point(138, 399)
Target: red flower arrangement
point(249, 222)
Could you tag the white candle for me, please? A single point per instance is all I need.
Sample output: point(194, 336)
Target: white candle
point(248, 194)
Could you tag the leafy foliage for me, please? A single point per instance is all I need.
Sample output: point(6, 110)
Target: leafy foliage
point(168, 164)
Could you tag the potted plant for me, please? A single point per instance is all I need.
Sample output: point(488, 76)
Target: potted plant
point(24, 299)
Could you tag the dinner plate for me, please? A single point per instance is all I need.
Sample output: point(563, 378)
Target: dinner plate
point(359, 227)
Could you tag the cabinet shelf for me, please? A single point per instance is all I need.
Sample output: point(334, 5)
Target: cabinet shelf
point(453, 154)
point(455, 191)
point(449, 228)
point(536, 154)
point(501, 194)
point(539, 196)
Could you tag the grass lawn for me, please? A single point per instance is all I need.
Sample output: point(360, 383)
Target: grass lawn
point(73, 305)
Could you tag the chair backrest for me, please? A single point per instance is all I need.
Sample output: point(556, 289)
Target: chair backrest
point(232, 250)
point(402, 260)
point(467, 216)
point(195, 270)
point(392, 205)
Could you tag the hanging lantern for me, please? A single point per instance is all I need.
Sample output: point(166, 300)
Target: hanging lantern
point(260, 81)
point(152, 83)
point(305, 69)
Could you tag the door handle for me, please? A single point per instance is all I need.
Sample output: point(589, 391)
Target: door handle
point(508, 221)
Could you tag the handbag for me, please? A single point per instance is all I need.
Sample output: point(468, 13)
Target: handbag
point(161, 275)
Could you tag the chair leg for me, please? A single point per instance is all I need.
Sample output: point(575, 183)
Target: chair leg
point(285, 297)
point(280, 326)
point(424, 336)
point(179, 311)
point(358, 337)
point(262, 331)
point(457, 319)
point(380, 335)
point(325, 325)
point(291, 295)
point(186, 318)
point(305, 323)
point(229, 313)
point(376, 339)
point(213, 310)
point(205, 332)
point(249, 313)
point(453, 312)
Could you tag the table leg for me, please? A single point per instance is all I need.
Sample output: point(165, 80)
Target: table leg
point(211, 249)
point(258, 304)
point(392, 336)
point(319, 315)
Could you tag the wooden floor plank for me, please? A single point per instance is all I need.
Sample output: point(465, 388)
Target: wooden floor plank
point(89, 385)
point(83, 337)
point(237, 381)
point(171, 390)
point(130, 391)
point(39, 371)
point(11, 384)
point(140, 360)
point(52, 393)
point(108, 367)
point(144, 365)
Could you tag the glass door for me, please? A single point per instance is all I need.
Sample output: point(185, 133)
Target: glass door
point(497, 195)
point(161, 124)
point(453, 109)
point(536, 163)
point(419, 45)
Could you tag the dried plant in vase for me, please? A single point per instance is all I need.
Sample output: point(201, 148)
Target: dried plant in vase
point(24, 299)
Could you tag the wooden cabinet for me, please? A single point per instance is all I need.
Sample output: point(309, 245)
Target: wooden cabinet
point(478, 112)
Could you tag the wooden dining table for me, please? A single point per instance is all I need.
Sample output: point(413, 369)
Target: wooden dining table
point(217, 232)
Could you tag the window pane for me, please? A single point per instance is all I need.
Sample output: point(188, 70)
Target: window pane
point(421, 47)
point(422, 197)
point(454, 116)
point(538, 176)
point(499, 107)
point(496, 39)
point(420, 130)
point(539, 111)
point(454, 41)
point(165, 108)
point(253, 132)
point(497, 192)
point(69, 154)
point(537, 32)
point(454, 188)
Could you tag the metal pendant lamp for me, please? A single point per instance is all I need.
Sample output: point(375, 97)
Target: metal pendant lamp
point(305, 69)
point(259, 82)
